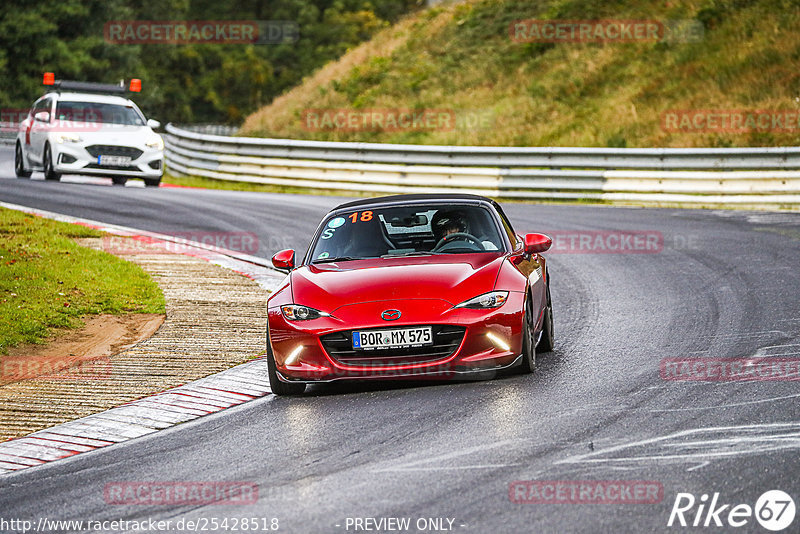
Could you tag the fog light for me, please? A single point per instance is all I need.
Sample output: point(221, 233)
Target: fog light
point(293, 356)
point(498, 342)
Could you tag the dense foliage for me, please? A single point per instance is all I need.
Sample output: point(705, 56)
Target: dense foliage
point(188, 83)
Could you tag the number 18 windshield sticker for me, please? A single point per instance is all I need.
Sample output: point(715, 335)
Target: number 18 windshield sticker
point(336, 222)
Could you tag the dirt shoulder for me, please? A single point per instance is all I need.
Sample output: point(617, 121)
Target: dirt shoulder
point(215, 319)
point(70, 353)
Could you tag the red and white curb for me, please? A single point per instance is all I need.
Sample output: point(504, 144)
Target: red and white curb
point(144, 416)
point(208, 395)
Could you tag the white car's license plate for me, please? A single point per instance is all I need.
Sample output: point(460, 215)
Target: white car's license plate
point(113, 160)
point(387, 339)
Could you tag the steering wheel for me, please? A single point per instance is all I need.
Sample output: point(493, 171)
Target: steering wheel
point(458, 235)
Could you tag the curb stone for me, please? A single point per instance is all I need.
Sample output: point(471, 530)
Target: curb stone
point(140, 417)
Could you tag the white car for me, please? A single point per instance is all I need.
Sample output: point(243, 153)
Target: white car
point(78, 128)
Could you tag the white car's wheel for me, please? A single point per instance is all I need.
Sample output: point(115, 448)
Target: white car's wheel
point(19, 164)
point(49, 171)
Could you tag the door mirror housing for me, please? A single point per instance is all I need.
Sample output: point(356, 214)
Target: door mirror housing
point(283, 259)
point(153, 124)
point(42, 116)
point(536, 243)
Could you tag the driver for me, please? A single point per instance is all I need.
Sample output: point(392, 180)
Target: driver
point(447, 222)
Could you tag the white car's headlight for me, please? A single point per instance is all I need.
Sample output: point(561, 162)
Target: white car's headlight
point(155, 142)
point(295, 312)
point(493, 299)
point(69, 138)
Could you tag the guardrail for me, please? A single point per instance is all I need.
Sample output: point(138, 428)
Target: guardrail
point(667, 175)
point(212, 129)
point(7, 137)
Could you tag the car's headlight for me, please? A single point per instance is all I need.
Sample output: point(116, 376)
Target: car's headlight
point(295, 312)
point(493, 299)
point(69, 138)
point(155, 142)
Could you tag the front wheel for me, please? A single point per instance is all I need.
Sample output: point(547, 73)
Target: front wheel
point(49, 170)
point(528, 340)
point(547, 340)
point(19, 164)
point(152, 182)
point(279, 388)
point(119, 180)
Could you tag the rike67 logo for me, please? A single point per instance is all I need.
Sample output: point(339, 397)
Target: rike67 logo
point(774, 510)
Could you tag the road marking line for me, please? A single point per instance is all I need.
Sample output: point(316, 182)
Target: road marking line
point(775, 437)
point(412, 466)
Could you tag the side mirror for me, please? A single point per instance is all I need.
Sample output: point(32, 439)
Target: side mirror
point(153, 124)
point(42, 116)
point(535, 243)
point(283, 259)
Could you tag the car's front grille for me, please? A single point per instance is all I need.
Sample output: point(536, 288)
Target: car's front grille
point(112, 167)
point(113, 150)
point(446, 340)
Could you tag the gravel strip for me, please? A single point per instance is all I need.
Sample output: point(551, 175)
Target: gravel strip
point(215, 320)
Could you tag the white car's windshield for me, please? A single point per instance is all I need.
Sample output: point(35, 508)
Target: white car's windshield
point(406, 231)
point(94, 112)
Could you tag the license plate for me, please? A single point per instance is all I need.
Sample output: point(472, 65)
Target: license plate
point(113, 160)
point(396, 338)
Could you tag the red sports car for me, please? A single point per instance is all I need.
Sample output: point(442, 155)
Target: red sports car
point(409, 286)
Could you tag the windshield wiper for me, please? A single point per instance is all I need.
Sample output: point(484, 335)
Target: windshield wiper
point(415, 253)
point(337, 258)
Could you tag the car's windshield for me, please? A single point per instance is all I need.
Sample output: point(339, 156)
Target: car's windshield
point(94, 112)
point(406, 231)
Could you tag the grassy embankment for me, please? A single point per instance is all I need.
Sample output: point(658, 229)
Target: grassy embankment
point(460, 57)
point(614, 94)
point(48, 282)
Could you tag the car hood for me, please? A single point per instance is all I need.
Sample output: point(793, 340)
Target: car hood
point(453, 278)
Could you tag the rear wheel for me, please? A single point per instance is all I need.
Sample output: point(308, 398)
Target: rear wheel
point(546, 339)
point(119, 180)
point(279, 388)
point(49, 170)
point(19, 164)
point(528, 340)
